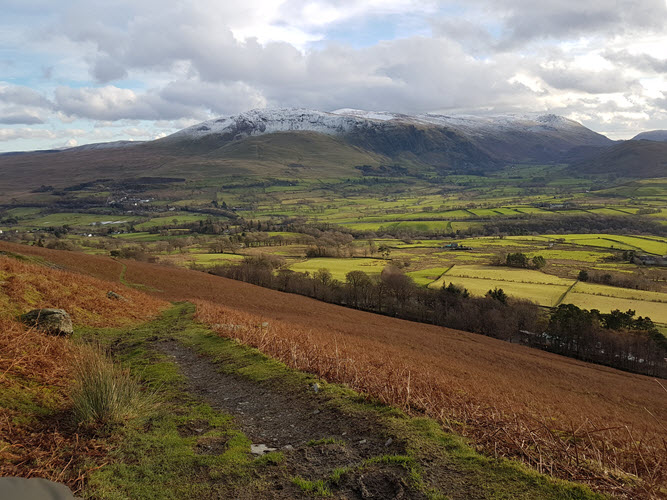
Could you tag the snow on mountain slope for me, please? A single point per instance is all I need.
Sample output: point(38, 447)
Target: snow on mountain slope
point(342, 121)
point(267, 121)
point(105, 145)
point(435, 138)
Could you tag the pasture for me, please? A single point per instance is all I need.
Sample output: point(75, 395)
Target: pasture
point(501, 273)
point(425, 277)
point(657, 311)
point(76, 220)
point(543, 294)
point(656, 246)
point(339, 267)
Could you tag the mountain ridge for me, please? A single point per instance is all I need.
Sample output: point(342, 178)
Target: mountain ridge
point(316, 144)
point(628, 158)
point(651, 135)
point(444, 141)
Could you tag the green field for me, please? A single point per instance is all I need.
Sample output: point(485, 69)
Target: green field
point(573, 255)
point(622, 293)
point(77, 219)
point(656, 311)
point(637, 243)
point(171, 219)
point(547, 290)
point(507, 274)
point(415, 214)
point(542, 294)
point(427, 276)
point(216, 258)
point(340, 267)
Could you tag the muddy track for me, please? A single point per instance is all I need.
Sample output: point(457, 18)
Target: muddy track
point(292, 422)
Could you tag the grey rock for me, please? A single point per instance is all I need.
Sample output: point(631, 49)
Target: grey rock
point(388, 442)
point(115, 296)
point(53, 321)
point(18, 488)
point(260, 449)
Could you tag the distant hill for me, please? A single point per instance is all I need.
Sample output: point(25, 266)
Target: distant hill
point(438, 140)
point(312, 144)
point(628, 159)
point(652, 135)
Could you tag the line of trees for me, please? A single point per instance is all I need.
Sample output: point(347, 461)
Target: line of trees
point(616, 339)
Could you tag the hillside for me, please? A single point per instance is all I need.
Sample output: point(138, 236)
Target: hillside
point(438, 140)
point(628, 159)
point(205, 414)
point(447, 369)
point(652, 135)
point(311, 144)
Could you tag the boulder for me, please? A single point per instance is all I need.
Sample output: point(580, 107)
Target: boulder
point(115, 296)
point(18, 488)
point(53, 321)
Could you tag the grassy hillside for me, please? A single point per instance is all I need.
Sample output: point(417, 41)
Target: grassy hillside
point(535, 397)
point(629, 158)
point(289, 154)
point(38, 435)
point(188, 439)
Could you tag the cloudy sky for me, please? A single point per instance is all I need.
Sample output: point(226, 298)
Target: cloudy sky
point(81, 71)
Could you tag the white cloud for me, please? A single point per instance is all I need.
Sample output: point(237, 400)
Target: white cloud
point(9, 134)
point(19, 118)
point(176, 63)
point(113, 103)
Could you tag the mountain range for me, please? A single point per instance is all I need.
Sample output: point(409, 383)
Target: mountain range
point(439, 140)
point(307, 143)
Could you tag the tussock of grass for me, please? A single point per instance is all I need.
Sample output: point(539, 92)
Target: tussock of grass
point(104, 392)
point(316, 488)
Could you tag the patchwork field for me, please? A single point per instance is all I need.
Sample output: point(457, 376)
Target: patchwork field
point(423, 259)
point(548, 290)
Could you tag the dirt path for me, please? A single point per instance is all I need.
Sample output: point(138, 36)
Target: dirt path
point(315, 438)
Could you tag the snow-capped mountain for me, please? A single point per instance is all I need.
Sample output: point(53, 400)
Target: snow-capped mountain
point(485, 139)
point(343, 121)
point(470, 123)
point(106, 145)
point(267, 121)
